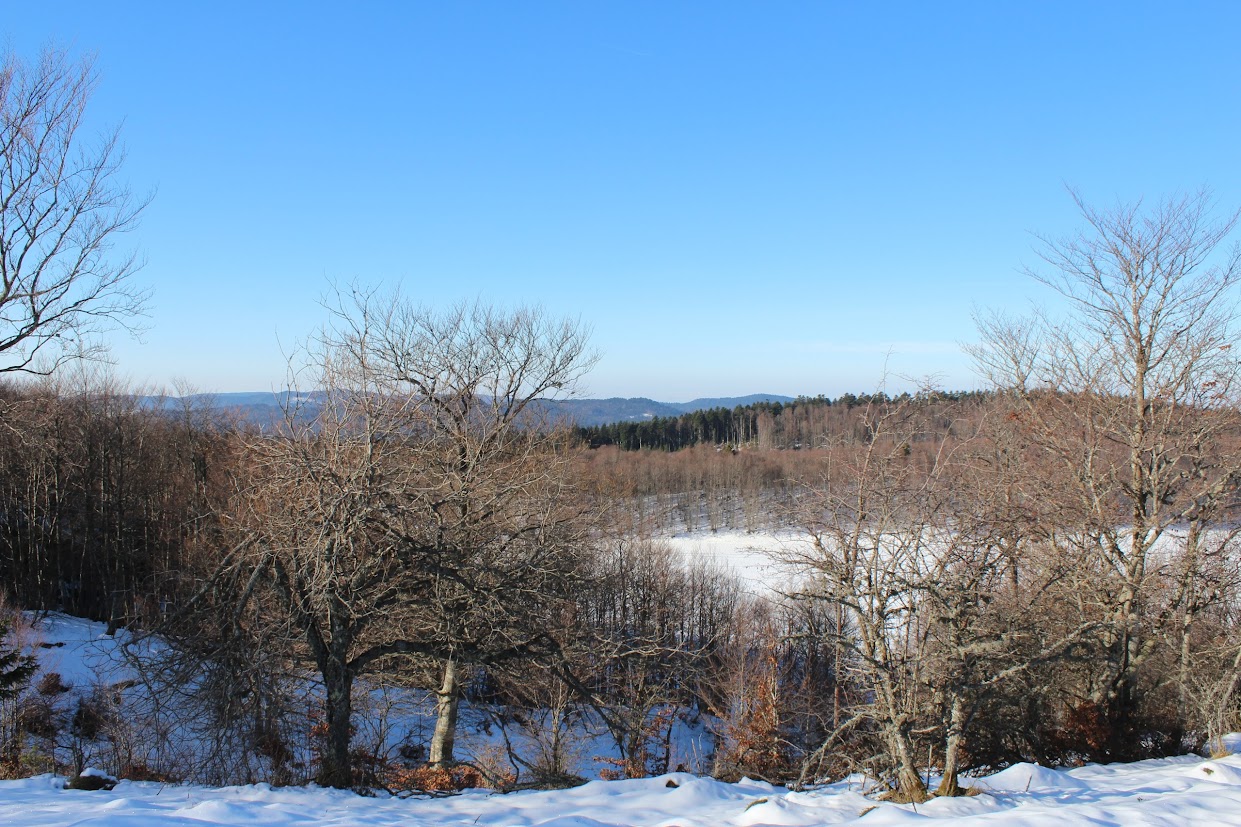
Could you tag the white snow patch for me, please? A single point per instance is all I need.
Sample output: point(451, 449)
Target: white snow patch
point(1021, 778)
point(1167, 791)
point(752, 557)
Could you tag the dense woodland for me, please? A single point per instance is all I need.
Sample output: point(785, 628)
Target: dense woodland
point(803, 423)
point(1046, 571)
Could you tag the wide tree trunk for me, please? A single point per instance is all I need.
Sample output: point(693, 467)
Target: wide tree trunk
point(335, 764)
point(448, 699)
point(909, 784)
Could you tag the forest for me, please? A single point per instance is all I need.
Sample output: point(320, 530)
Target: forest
point(794, 425)
point(1045, 570)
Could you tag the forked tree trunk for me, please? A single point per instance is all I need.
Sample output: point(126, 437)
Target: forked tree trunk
point(448, 699)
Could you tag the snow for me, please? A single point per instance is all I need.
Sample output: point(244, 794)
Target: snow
point(386, 717)
point(749, 556)
point(75, 648)
point(1024, 777)
point(1174, 791)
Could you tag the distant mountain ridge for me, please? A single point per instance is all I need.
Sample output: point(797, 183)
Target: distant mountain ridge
point(264, 406)
point(618, 409)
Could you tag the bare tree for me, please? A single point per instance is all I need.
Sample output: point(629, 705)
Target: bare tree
point(648, 624)
point(62, 210)
point(1133, 395)
point(871, 519)
point(916, 544)
point(419, 509)
point(494, 502)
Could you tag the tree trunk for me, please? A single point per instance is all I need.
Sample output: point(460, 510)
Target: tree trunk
point(909, 785)
point(447, 700)
point(335, 765)
point(948, 785)
point(634, 753)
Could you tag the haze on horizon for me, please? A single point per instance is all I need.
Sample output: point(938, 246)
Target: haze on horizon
point(787, 199)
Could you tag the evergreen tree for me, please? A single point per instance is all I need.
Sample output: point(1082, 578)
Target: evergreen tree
point(16, 668)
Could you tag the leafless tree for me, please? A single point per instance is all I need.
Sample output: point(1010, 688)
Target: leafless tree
point(648, 623)
point(494, 500)
point(1133, 396)
point(418, 509)
point(772, 689)
point(915, 544)
point(871, 520)
point(62, 211)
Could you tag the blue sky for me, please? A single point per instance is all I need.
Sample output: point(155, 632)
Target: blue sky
point(737, 198)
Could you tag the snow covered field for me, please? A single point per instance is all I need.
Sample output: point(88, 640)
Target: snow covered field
point(1175, 791)
point(747, 555)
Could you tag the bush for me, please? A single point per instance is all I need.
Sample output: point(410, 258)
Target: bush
point(52, 684)
point(430, 779)
point(90, 718)
point(139, 771)
point(25, 764)
point(38, 717)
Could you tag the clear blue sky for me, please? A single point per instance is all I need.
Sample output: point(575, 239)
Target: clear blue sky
point(737, 198)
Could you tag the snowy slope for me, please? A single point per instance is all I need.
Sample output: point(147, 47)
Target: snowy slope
point(78, 649)
point(747, 555)
point(85, 657)
point(1175, 791)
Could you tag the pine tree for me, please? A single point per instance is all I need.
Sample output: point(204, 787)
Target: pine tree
point(16, 668)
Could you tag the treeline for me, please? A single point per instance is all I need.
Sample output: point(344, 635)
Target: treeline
point(104, 498)
point(806, 422)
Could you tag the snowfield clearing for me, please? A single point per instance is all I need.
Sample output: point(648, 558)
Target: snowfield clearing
point(749, 556)
point(1174, 791)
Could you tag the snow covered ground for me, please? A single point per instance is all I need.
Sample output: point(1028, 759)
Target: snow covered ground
point(1175, 791)
point(747, 555)
point(387, 718)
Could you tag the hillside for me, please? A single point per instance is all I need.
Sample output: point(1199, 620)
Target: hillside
point(262, 407)
point(1188, 789)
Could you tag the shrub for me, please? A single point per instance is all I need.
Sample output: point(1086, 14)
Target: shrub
point(434, 779)
point(38, 717)
point(139, 771)
point(51, 683)
point(90, 718)
point(24, 764)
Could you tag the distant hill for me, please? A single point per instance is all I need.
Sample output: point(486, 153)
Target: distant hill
point(265, 406)
point(731, 401)
point(262, 408)
point(617, 409)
